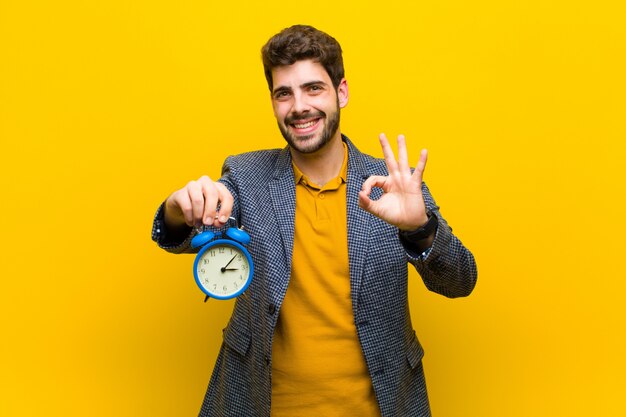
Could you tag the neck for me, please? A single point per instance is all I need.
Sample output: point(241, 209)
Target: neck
point(323, 165)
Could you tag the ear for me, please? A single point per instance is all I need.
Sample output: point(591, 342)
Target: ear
point(342, 93)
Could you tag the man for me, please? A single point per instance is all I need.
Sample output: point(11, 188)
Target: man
point(324, 328)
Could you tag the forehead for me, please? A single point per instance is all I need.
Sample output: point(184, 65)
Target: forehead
point(299, 73)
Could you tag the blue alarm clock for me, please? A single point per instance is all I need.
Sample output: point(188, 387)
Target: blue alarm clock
point(223, 267)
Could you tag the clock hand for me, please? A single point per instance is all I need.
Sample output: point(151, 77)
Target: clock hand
point(226, 266)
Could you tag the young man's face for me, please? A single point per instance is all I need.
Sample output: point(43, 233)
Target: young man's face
point(306, 105)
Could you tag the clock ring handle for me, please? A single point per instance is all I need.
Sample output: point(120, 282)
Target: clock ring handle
point(237, 225)
point(203, 228)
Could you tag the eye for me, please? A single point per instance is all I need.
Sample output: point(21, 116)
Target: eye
point(282, 94)
point(315, 89)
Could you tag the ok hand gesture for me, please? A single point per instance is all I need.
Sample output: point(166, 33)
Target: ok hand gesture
point(402, 202)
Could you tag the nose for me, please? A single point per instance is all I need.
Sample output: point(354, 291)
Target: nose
point(300, 104)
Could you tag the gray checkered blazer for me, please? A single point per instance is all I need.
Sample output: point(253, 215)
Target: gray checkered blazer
point(262, 184)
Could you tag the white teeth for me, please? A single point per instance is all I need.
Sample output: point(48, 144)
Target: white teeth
point(304, 125)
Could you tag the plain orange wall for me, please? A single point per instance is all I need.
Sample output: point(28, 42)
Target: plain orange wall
point(107, 107)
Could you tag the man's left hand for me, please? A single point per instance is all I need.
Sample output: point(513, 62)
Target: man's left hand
point(402, 202)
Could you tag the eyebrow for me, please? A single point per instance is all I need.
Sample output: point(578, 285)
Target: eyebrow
point(303, 86)
point(312, 83)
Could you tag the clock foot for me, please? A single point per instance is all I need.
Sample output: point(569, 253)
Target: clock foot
point(206, 298)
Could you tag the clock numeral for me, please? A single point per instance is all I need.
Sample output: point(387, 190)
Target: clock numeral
point(212, 252)
point(221, 250)
point(205, 261)
point(225, 288)
point(203, 270)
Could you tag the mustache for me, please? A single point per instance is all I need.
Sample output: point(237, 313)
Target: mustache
point(302, 116)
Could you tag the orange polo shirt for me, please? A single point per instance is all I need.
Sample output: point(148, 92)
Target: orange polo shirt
point(318, 368)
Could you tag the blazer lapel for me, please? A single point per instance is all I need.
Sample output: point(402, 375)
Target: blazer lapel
point(358, 220)
point(282, 191)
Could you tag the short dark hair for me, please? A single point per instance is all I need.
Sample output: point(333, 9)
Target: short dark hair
point(300, 42)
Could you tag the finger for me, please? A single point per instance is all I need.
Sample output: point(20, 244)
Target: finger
point(226, 203)
point(371, 206)
point(403, 159)
point(365, 202)
point(390, 158)
point(374, 181)
point(418, 174)
point(182, 203)
point(196, 200)
point(209, 207)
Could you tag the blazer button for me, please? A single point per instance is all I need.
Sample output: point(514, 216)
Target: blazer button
point(271, 309)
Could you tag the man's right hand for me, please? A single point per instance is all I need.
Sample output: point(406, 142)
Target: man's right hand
point(196, 205)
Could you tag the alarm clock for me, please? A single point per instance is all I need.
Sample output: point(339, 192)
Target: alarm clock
point(223, 267)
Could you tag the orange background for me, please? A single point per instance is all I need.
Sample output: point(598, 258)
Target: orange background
point(107, 107)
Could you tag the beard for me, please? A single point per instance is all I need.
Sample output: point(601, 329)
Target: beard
point(307, 144)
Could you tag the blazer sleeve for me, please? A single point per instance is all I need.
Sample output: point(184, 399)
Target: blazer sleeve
point(448, 268)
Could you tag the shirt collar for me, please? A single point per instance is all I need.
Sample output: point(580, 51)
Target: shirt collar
point(334, 183)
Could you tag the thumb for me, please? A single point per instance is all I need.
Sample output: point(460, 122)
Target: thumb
point(366, 203)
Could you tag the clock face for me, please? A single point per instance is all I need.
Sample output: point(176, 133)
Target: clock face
point(223, 269)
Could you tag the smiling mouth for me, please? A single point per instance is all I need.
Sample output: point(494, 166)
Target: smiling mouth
point(305, 126)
